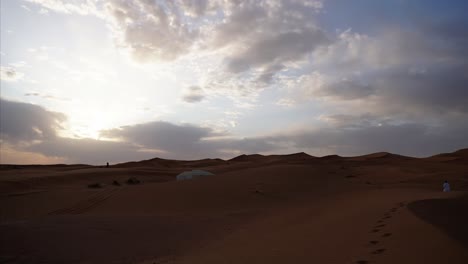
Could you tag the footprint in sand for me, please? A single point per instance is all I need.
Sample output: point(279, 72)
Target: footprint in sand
point(362, 262)
point(386, 234)
point(378, 251)
point(377, 229)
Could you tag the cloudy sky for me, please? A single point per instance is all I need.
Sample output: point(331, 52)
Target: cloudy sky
point(90, 81)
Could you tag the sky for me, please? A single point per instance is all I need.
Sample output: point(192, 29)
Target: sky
point(91, 81)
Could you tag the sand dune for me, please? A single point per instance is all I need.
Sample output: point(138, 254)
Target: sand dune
point(377, 208)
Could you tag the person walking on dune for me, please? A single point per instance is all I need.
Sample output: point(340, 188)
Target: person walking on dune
point(446, 186)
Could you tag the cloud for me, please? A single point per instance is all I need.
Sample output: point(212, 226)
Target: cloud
point(144, 141)
point(11, 155)
point(354, 121)
point(440, 90)
point(31, 131)
point(255, 33)
point(197, 8)
point(184, 140)
point(47, 96)
point(414, 139)
point(286, 102)
point(193, 94)
point(407, 74)
point(281, 48)
point(151, 30)
point(344, 89)
point(26, 8)
point(263, 37)
point(10, 74)
point(27, 122)
point(154, 30)
point(435, 91)
point(82, 7)
point(44, 11)
point(90, 151)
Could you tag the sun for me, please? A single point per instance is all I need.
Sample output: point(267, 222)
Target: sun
point(87, 124)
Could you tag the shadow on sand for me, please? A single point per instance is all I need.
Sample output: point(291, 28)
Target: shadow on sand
point(448, 215)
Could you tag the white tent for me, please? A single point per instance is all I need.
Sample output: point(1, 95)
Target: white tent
point(188, 175)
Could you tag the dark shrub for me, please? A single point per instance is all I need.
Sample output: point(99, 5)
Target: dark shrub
point(133, 180)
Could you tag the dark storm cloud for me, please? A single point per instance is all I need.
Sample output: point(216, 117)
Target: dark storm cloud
point(27, 122)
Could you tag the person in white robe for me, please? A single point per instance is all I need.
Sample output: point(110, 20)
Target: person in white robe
point(446, 186)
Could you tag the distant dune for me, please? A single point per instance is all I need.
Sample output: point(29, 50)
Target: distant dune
point(460, 155)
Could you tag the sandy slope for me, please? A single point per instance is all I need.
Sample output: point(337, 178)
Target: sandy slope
point(378, 208)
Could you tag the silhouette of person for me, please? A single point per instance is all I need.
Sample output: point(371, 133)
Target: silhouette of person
point(107, 165)
point(446, 186)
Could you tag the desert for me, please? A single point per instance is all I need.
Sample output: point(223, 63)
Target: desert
point(377, 208)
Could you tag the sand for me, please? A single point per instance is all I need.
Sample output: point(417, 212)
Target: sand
point(376, 208)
